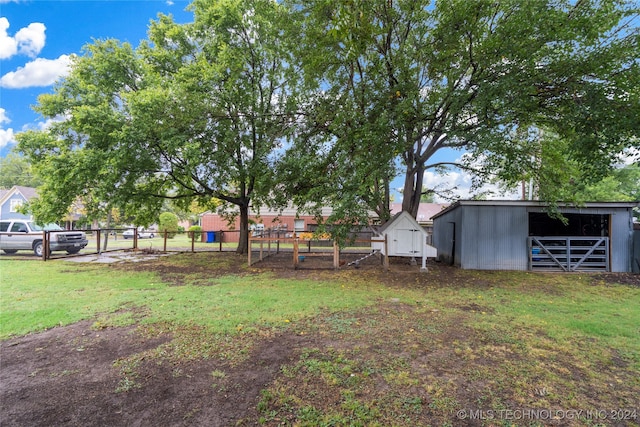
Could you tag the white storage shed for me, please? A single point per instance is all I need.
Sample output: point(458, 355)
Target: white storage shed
point(405, 238)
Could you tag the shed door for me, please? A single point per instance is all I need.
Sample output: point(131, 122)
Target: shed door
point(408, 242)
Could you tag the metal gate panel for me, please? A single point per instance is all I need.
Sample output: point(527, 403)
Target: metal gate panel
point(569, 253)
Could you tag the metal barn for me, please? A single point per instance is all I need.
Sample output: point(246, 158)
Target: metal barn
point(519, 235)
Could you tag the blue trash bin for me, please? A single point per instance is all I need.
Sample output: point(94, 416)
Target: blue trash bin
point(534, 252)
point(211, 236)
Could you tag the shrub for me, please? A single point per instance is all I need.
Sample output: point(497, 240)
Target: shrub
point(169, 223)
point(194, 229)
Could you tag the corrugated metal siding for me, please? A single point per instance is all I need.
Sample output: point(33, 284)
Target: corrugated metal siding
point(494, 238)
point(443, 236)
point(621, 240)
point(635, 259)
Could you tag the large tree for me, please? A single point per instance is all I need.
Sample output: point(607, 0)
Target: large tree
point(396, 81)
point(79, 157)
point(16, 170)
point(195, 113)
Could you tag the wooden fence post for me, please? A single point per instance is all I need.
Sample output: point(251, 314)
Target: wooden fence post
point(249, 255)
point(386, 254)
point(261, 247)
point(295, 253)
point(336, 255)
point(45, 244)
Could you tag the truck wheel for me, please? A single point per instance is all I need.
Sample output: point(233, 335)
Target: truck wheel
point(10, 251)
point(38, 247)
point(73, 251)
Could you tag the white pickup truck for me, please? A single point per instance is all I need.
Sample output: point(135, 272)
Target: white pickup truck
point(18, 234)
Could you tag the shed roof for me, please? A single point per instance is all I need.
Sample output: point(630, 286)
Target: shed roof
point(386, 225)
point(396, 218)
point(536, 203)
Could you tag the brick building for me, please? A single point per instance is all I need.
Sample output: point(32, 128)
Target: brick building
point(286, 221)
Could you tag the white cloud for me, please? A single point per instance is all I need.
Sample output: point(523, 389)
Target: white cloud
point(7, 137)
point(39, 72)
point(28, 40)
point(458, 184)
point(3, 116)
point(31, 39)
point(49, 122)
point(8, 45)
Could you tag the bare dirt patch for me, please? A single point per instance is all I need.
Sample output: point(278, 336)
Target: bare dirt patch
point(630, 279)
point(71, 376)
point(416, 365)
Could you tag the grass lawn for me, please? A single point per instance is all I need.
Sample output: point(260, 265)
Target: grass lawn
point(400, 348)
point(180, 242)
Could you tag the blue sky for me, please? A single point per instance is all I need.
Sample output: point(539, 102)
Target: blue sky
point(37, 37)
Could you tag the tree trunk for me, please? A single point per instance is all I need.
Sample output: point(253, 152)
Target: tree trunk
point(382, 207)
point(243, 243)
point(412, 189)
point(106, 235)
point(387, 199)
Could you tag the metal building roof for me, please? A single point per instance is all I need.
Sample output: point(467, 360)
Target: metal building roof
point(536, 203)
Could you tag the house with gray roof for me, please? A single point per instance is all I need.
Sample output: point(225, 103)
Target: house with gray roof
point(13, 199)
